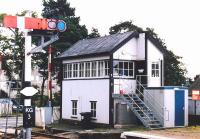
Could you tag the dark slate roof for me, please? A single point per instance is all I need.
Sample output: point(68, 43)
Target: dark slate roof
point(101, 45)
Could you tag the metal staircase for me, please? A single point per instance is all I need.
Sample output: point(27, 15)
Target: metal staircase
point(148, 115)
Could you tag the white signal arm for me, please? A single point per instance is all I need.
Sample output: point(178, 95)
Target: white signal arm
point(38, 49)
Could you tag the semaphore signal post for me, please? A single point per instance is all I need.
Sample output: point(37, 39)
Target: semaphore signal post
point(27, 24)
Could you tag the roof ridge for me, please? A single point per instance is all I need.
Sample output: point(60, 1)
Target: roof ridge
point(107, 36)
point(104, 44)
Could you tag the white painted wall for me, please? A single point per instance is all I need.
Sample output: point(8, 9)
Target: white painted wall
point(124, 84)
point(132, 50)
point(85, 91)
point(43, 116)
point(186, 107)
point(169, 95)
point(128, 51)
point(135, 50)
point(169, 108)
point(154, 55)
point(165, 97)
point(155, 100)
point(141, 47)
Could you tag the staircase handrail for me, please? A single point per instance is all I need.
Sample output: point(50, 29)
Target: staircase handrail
point(139, 107)
point(157, 103)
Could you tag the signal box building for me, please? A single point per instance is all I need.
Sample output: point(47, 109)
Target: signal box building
point(107, 77)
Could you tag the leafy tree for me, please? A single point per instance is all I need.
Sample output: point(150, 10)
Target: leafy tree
point(12, 49)
point(124, 27)
point(23, 13)
point(94, 33)
point(61, 10)
point(174, 70)
point(57, 9)
point(41, 60)
point(1, 17)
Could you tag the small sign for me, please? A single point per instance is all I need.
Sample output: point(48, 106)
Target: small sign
point(196, 94)
point(28, 117)
point(29, 91)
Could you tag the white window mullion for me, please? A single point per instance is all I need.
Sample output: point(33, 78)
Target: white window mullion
point(78, 70)
point(84, 66)
point(133, 69)
point(72, 70)
point(123, 68)
point(97, 67)
point(128, 69)
point(104, 69)
point(90, 69)
point(67, 70)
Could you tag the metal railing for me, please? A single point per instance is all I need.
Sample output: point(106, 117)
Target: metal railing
point(149, 98)
point(151, 105)
point(146, 121)
point(143, 79)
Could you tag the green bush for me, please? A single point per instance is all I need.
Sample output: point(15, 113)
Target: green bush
point(57, 99)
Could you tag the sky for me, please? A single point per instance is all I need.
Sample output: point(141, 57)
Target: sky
point(177, 22)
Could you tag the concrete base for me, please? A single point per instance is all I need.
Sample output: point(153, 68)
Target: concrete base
point(123, 114)
point(133, 135)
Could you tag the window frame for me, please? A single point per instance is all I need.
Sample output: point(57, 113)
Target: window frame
point(81, 70)
point(93, 68)
point(69, 70)
point(75, 70)
point(65, 71)
point(100, 69)
point(86, 69)
point(155, 69)
point(74, 107)
point(119, 69)
point(93, 108)
point(106, 68)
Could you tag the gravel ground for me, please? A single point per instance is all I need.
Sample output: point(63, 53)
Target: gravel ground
point(178, 133)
